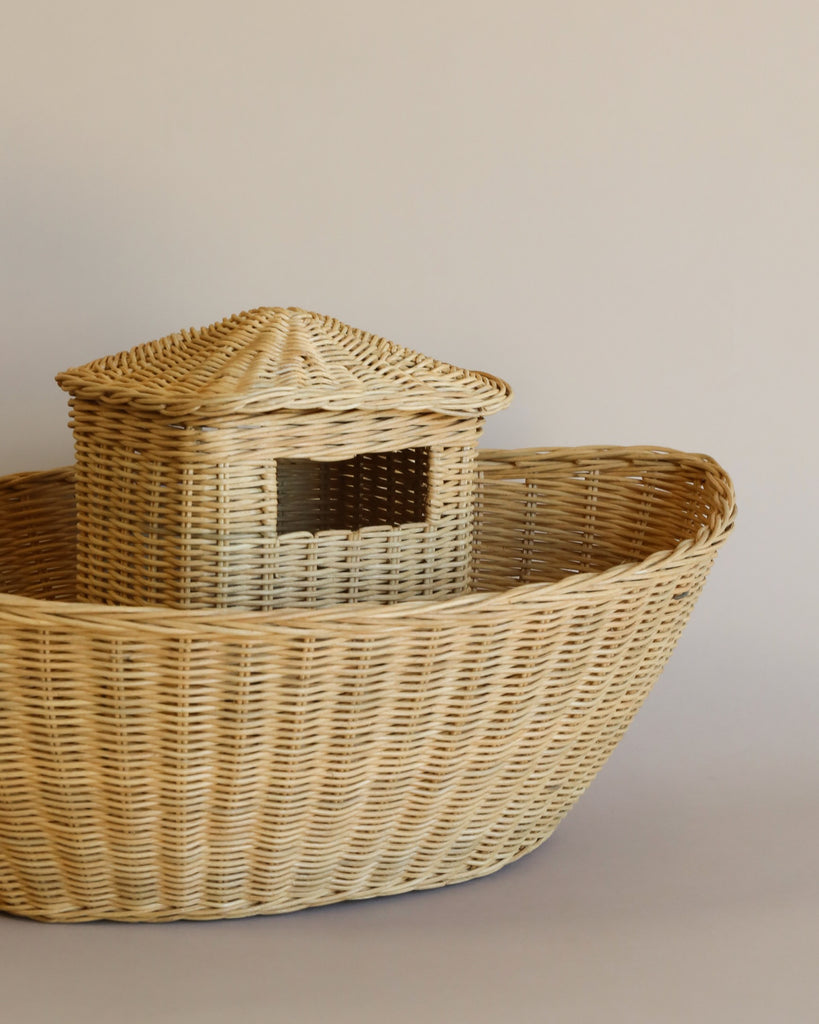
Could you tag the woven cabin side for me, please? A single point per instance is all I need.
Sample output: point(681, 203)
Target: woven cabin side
point(261, 511)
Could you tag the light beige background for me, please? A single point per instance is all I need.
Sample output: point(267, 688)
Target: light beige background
point(613, 205)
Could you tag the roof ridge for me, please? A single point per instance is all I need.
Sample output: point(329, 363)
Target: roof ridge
point(282, 358)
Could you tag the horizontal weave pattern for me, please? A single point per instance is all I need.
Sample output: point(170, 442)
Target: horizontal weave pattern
point(159, 764)
point(196, 515)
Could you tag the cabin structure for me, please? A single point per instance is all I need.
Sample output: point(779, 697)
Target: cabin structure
point(278, 457)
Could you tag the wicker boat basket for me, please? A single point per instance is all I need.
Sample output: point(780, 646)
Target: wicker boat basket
point(161, 763)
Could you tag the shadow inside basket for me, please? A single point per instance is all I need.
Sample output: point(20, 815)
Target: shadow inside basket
point(541, 515)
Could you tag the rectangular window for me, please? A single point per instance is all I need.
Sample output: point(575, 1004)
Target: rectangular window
point(371, 489)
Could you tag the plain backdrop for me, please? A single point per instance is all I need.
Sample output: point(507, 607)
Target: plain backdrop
point(614, 205)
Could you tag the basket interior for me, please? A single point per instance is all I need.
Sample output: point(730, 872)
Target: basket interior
point(541, 516)
point(545, 515)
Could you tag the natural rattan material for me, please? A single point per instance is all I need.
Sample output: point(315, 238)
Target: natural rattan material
point(159, 764)
point(178, 443)
point(199, 517)
point(270, 359)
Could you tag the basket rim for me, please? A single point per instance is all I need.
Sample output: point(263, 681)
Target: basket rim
point(365, 613)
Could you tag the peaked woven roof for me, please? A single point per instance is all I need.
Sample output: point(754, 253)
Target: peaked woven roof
point(274, 358)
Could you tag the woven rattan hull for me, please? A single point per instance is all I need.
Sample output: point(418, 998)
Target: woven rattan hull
point(161, 764)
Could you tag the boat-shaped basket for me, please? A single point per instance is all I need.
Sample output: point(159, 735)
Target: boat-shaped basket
point(158, 764)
